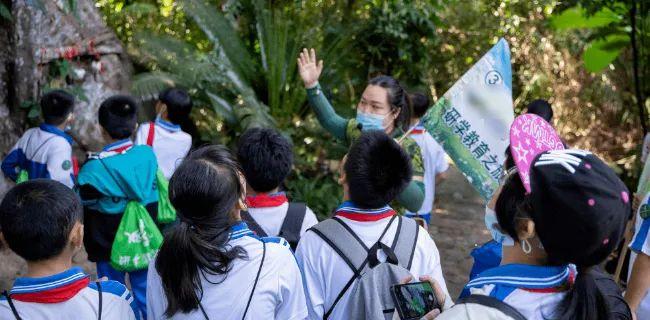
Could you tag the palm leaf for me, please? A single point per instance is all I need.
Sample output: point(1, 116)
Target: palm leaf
point(146, 86)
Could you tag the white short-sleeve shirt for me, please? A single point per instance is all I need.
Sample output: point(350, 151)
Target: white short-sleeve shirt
point(279, 293)
point(641, 245)
point(435, 163)
point(325, 273)
point(170, 144)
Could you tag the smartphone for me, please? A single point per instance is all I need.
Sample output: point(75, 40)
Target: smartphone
point(414, 300)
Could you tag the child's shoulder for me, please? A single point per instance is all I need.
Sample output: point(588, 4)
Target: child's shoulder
point(111, 286)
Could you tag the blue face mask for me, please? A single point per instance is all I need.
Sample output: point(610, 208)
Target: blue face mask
point(370, 121)
point(492, 224)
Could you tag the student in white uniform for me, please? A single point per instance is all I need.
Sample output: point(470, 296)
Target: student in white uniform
point(572, 219)
point(46, 152)
point(374, 172)
point(266, 159)
point(211, 266)
point(41, 221)
point(164, 135)
point(638, 284)
point(435, 163)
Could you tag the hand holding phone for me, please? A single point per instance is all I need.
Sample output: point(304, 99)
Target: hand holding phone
point(414, 300)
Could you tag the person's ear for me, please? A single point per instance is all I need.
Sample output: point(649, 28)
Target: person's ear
point(160, 108)
point(396, 113)
point(525, 229)
point(77, 235)
point(342, 176)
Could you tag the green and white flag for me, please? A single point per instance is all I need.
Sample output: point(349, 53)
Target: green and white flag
point(472, 119)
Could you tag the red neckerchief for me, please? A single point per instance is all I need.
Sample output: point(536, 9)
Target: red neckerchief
point(56, 295)
point(349, 211)
point(266, 200)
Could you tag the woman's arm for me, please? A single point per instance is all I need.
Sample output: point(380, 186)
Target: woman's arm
point(412, 197)
point(326, 115)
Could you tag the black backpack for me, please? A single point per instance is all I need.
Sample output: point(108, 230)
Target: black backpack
point(291, 225)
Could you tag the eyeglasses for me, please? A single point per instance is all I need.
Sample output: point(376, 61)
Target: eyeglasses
point(507, 174)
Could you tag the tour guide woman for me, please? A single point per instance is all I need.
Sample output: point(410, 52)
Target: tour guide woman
point(384, 105)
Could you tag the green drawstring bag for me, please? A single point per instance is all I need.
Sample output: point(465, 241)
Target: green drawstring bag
point(137, 239)
point(23, 176)
point(166, 212)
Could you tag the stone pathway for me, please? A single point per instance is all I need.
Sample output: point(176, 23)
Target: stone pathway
point(456, 228)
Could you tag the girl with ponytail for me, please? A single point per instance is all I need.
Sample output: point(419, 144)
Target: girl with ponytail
point(569, 221)
point(211, 266)
point(384, 105)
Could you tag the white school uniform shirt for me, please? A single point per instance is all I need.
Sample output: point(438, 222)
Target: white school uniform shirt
point(325, 273)
point(271, 217)
point(45, 152)
point(67, 295)
point(170, 144)
point(641, 245)
point(278, 295)
point(535, 291)
point(435, 163)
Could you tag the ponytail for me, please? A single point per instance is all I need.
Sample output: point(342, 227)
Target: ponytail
point(584, 301)
point(204, 190)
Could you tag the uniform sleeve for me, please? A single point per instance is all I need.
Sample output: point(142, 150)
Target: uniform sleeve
point(292, 304)
point(11, 161)
point(310, 221)
point(441, 161)
point(311, 277)
point(122, 308)
point(141, 134)
point(332, 122)
point(431, 261)
point(156, 300)
point(59, 162)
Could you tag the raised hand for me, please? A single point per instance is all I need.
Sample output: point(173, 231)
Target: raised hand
point(309, 68)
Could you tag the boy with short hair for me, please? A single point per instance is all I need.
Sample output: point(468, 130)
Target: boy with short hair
point(108, 181)
point(374, 172)
point(42, 222)
point(266, 159)
point(46, 151)
point(164, 135)
point(435, 163)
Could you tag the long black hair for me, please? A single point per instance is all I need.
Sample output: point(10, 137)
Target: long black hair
point(584, 300)
point(398, 99)
point(204, 189)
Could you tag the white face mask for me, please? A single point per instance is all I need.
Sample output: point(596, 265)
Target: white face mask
point(492, 224)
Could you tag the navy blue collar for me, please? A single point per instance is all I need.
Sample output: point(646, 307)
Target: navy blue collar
point(240, 230)
point(525, 276)
point(167, 125)
point(118, 145)
point(31, 285)
point(54, 130)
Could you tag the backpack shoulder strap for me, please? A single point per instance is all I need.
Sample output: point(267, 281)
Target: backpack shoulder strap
point(11, 305)
point(252, 224)
point(343, 240)
point(292, 223)
point(257, 278)
point(99, 292)
point(151, 134)
point(406, 238)
point(493, 303)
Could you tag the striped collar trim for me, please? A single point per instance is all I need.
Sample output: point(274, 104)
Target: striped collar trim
point(167, 125)
point(51, 289)
point(350, 211)
point(54, 130)
point(526, 276)
point(119, 146)
point(240, 230)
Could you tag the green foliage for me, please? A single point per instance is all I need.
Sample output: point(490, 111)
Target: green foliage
point(602, 52)
point(577, 17)
point(5, 13)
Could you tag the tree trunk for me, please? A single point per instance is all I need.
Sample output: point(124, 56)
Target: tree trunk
point(41, 35)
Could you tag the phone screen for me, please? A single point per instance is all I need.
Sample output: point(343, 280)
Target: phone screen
point(414, 300)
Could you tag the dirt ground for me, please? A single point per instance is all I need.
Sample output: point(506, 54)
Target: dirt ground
point(457, 228)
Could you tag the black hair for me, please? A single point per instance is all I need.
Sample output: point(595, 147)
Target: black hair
point(420, 103)
point(583, 300)
point(179, 104)
point(37, 217)
point(56, 106)
point(541, 108)
point(398, 99)
point(117, 115)
point(377, 170)
point(204, 189)
point(266, 158)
